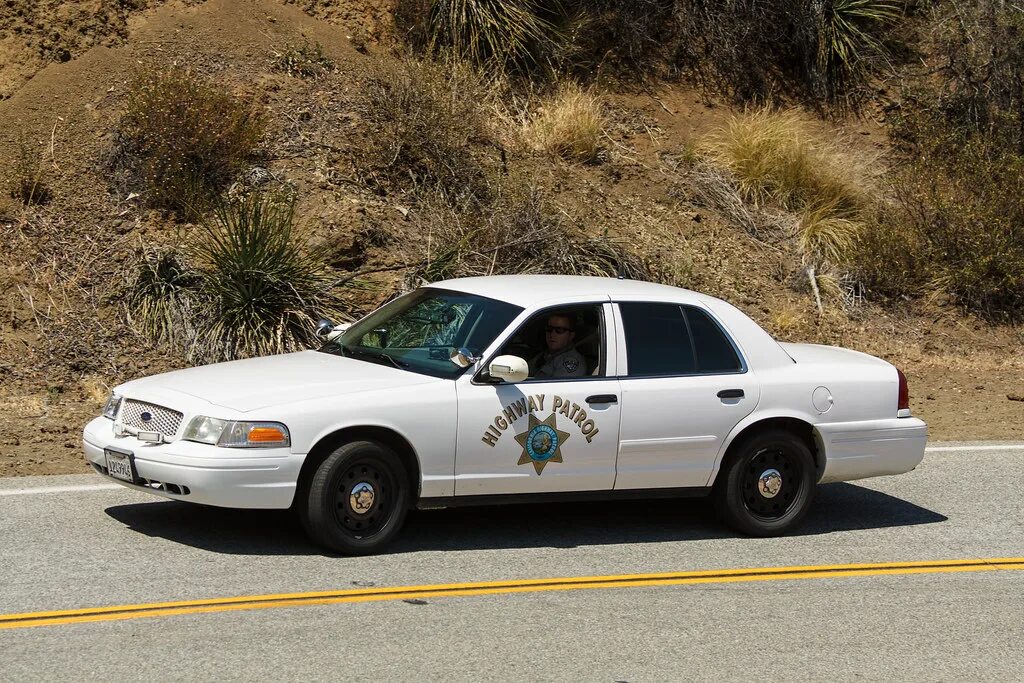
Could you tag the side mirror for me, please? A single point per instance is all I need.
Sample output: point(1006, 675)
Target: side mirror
point(510, 369)
point(327, 330)
point(463, 357)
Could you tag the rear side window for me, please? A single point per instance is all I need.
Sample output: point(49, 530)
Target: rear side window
point(657, 341)
point(715, 353)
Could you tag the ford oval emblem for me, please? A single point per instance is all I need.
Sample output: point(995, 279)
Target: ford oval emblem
point(146, 417)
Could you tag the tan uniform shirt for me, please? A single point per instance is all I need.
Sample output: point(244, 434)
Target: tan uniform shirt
point(567, 363)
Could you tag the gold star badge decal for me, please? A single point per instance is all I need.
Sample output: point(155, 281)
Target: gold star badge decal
point(541, 442)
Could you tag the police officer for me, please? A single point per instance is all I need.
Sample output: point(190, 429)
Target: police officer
point(561, 359)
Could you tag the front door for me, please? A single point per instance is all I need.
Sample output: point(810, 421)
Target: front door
point(545, 434)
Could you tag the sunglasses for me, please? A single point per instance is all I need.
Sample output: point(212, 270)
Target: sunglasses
point(557, 330)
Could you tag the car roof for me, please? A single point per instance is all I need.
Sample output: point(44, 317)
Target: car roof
point(529, 290)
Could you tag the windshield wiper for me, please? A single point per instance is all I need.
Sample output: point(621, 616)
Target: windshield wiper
point(375, 355)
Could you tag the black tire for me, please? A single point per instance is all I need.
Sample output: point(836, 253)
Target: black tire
point(330, 516)
point(749, 506)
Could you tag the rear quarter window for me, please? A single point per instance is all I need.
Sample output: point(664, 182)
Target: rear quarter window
point(714, 352)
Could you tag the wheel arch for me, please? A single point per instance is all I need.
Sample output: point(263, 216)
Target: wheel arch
point(385, 435)
point(795, 424)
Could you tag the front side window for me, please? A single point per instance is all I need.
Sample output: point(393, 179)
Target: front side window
point(419, 331)
point(561, 343)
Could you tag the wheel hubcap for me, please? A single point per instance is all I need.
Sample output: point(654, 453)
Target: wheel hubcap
point(361, 497)
point(770, 483)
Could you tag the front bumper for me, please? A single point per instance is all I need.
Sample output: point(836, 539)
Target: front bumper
point(225, 477)
point(856, 450)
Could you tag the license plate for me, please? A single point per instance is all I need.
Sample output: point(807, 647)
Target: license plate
point(120, 465)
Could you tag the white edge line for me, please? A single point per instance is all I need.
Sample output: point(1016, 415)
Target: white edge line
point(948, 449)
point(59, 489)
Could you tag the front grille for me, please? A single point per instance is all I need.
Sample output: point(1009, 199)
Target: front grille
point(163, 420)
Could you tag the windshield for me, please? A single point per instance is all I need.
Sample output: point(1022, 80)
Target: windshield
point(419, 331)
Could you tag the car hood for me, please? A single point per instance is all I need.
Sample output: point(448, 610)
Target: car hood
point(254, 383)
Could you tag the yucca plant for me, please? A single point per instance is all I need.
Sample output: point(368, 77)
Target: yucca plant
point(494, 33)
point(161, 298)
point(848, 36)
point(264, 285)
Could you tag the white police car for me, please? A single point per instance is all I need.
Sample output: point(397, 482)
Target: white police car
point(434, 400)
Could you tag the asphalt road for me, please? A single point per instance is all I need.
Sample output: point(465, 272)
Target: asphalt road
point(93, 547)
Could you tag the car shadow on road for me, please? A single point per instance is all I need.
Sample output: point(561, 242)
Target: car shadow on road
point(837, 508)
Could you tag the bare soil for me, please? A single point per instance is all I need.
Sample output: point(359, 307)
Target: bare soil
point(64, 341)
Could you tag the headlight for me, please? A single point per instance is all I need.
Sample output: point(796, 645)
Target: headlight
point(111, 406)
point(236, 434)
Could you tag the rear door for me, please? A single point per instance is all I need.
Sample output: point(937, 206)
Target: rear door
point(684, 387)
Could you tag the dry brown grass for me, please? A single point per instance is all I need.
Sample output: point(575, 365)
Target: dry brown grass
point(785, 160)
point(782, 157)
point(569, 124)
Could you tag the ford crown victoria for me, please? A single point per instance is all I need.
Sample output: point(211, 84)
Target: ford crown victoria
point(515, 389)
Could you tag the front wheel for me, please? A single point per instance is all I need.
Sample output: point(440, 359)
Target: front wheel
point(766, 485)
point(357, 499)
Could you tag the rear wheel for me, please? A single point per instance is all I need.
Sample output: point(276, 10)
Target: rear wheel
point(767, 484)
point(357, 499)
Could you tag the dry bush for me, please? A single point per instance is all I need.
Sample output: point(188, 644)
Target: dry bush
point(824, 52)
point(569, 124)
point(29, 184)
point(303, 61)
point(425, 118)
point(968, 209)
point(246, 284)
point(715, 188)
point(889, 256)
point(519, 232)
point(627, 37)
point(183, 139)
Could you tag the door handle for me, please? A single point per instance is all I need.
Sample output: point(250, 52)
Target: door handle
point(603, 398)
point(730, 393)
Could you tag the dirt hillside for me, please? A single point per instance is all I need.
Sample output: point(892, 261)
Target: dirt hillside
point(64, 338)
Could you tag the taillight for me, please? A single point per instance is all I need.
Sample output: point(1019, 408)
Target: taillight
point(904, 403)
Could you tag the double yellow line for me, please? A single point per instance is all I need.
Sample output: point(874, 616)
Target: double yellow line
point(161, 609)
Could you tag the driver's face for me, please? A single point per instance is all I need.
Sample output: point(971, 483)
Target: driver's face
point(558, 333)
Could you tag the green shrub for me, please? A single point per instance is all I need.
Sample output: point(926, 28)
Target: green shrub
point(889, 256)
point(245, 285)
point(304, 61)
point(424, 118)
point(183, 139)
point(969, 209)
